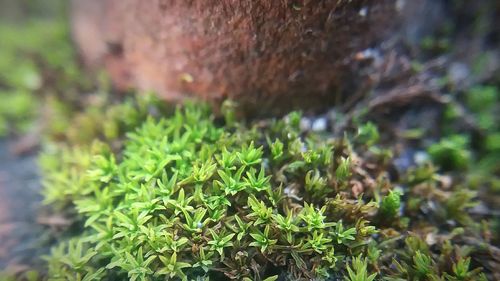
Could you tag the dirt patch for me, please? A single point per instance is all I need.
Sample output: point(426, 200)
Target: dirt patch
point(20, 235)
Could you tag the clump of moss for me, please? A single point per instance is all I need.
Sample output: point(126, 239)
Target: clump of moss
point(186, 196)
point(479, 106)
point(451, 153)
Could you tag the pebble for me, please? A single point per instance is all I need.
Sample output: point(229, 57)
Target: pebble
point(305, 124)
point(458, 72)
point(363, 12)
point(319, 125)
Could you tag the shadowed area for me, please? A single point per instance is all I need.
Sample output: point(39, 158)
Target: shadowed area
point(19, 204)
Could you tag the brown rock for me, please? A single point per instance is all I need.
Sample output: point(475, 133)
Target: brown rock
point(266, 54)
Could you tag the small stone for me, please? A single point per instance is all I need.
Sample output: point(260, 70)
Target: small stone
point(319, 124)
point(431, 239)
point(363, 12)
point(421, 157)
point(305, 124)
point(458, 72)
point(186, 77)
point(400, 4)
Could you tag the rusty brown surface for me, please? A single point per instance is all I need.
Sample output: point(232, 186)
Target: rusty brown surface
point(269, 55)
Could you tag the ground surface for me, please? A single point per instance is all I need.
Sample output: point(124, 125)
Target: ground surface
point(19, 205)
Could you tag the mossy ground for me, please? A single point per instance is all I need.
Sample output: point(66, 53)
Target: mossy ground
point(189, 196)
point(151, 191)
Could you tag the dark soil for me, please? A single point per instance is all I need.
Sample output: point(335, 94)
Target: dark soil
point(20, 234)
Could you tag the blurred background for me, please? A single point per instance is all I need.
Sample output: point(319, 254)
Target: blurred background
point(36, 60)
point(24, 9)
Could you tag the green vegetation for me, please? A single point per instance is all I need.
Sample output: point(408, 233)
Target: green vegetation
point(156, 192)
point(186, 198)
point(177, 194)
point(358, 272)
point(36, 61)
point(484, 105)
point(451, 152)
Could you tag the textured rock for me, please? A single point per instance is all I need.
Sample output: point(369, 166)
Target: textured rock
point(266, 54)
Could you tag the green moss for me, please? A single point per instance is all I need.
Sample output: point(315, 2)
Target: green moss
point(181, 195)
point(451, 153)
point(36, 61)
point(358, 272)
point(184, 189)
point(390, 204)
point(479, 157)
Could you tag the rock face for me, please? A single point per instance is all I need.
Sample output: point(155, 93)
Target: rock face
point(268, 55)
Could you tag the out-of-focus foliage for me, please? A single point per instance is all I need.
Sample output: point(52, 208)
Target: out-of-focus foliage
point(37, 60)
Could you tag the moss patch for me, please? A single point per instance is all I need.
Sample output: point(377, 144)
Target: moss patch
point(187, 196)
